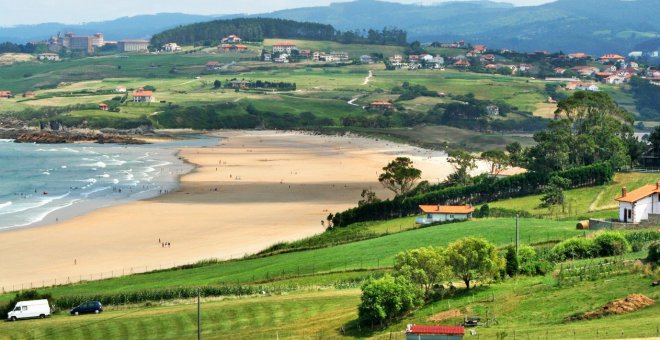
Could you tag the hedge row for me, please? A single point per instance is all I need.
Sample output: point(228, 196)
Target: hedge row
point(515, 186)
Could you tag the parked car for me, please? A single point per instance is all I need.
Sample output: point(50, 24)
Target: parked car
point(88, 307)
point(29, 309)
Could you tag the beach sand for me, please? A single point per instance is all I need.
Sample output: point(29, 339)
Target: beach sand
point(255, 189)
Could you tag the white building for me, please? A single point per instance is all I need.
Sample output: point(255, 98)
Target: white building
point(635, 206)
point(171, 47)
point(48, 56)
point(132, 45)
point(443, 213)
point(143, 97)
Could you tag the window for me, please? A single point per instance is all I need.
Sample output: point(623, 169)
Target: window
point(451, 216)
point(17, 308)
point(24, 308)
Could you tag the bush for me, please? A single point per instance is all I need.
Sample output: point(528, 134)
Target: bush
point(612, 243)
point(512, 261)
point(654, 253)
point(574, 248)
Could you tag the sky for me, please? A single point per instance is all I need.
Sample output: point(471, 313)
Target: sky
point(79, 11)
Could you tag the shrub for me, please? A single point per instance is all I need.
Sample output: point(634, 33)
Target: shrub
point(612, 243)
point(654, 253)
point(512, 261)
point(574, 248)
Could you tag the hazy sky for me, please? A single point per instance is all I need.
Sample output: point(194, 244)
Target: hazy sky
point(78, 11)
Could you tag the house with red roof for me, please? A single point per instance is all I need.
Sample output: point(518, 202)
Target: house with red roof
point(284, 47)
point(103, 107)
point(143, 97)
point(639, 205)
point(444, 213)
point(421, 332)
point(462, 63)
point(232, 48)
point(578, 55)
point(213, 65)
point(232, 39)
point(5, 94)
point(585, 71)
point(611, 58)
point(383, 106)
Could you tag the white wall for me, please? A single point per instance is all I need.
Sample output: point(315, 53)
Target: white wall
point(641, 208)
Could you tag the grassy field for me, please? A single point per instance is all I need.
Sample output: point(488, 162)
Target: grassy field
point(592, 201)
point(373, 253)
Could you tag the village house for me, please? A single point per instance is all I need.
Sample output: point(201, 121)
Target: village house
point(578, 55)
point(559, 70)
point(306, 53)
point(340, 56)
point(633, 65)
point(588, 87)
point(611, 58)
point(213, 66)
point(366, 59)
point(479, 49)
point(171, 47)
point(524, 67)
point(462, 63)
point(284, 47)
point(143, 97)
point(48, 56)
point(491, 67)
point(614, 80)
point(585, 71)
point(493, 110)
point(232, 39)
point(487, 58)
point(282, 59)
point(103, 107)
point(5, 94)
point(232, 48)
point(640, 204)
point(240, 84)
point(419, 332)
point(444, 213)
point(397, 58)
point(120, 89)
point(28, 95)
point(267, 57)
point(382, 106)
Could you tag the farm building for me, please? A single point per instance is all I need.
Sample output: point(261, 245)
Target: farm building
point(5, 94)
point(444, 213)
point(638, 205)
point(380, 106)
point(103, 107)
point(419, 332)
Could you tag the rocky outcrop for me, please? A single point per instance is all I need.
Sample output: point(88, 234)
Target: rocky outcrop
point(50, 137)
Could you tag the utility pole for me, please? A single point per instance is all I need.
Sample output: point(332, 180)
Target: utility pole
point(199, 328)
point(516, 235)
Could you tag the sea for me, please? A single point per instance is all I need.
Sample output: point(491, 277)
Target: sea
point(46, 183)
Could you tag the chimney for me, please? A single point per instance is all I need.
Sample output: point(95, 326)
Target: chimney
point(657, 185)
point(624, 192)
point(437, 208)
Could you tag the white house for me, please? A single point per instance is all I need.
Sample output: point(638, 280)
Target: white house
point(443, 213)
point(171, 47)
point(48, 56)
point(635, 206)
point(284, 47)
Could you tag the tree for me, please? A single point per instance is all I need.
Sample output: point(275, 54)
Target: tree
point(385, 299)
point(515, 150)
point(654, 137)
point(217, 84)
point(400, 176)
point(463, 162)
point(368, 196)
point(474, 259)
point(554, 193)
point(512, 261)
point(497, 159)
point(426, 267)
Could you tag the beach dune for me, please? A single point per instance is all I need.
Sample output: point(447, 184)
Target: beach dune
point(255, 189)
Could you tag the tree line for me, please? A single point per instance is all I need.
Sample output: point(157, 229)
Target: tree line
point(258, 29)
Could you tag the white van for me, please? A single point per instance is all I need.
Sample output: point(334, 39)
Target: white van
point(29, 309)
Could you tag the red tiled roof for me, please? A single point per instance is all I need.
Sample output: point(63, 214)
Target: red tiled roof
point(380, 104)
point(103, 105)
point(285, 43)
point(440, 330)
point(143, 94)
point(611, 56)
point(640, 193)
point(447, 209)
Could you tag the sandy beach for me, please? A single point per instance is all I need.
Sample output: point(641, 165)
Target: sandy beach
point(255, 189)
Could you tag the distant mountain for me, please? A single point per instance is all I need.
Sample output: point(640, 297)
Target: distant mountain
point(137, 27)
point(594, 26)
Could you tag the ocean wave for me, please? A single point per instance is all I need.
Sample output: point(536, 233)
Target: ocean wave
point(6, 140)
point(6, 204)
point(104, 176)
point(38, 217)
point(46, 173)
point(21, 207)
point(98, 164)
point(87, 194)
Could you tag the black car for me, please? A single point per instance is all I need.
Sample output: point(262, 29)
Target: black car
point(88, 307)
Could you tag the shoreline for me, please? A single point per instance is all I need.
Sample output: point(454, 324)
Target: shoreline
point(254, 189)
point(168, 178)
